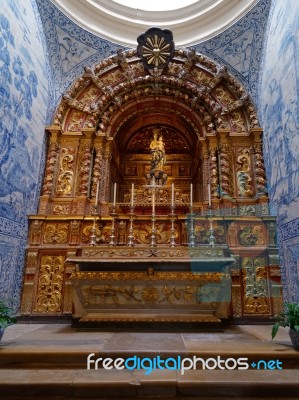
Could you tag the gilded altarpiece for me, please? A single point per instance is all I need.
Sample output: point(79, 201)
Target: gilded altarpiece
point(96, 196)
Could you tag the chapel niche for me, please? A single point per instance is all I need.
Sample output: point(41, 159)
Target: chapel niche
point(100, 136)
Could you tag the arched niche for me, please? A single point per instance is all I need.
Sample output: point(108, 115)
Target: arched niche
point(208, 120)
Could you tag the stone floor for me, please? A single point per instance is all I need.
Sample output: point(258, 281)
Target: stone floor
point(41, 361)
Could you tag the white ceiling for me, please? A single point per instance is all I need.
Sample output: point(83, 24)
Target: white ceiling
point(120, 24)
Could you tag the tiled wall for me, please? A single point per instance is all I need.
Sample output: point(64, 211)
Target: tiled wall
point(279, 112)
point(239, 47)
point(23, 108)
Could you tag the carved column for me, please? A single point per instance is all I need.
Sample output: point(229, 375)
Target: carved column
point(101, 173)
point(104, 192)
point(206, 171)
point(85, 159)
point(214, 176)
point(225, 164)
point(259, 166)
point(97, 169)
point(50, 169)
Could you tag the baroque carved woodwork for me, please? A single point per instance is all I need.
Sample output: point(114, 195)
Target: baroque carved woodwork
point(50, 284)
point(101, 135)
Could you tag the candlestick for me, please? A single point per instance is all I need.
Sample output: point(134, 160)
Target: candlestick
point(97, 193)
point(191, 195)
point(153, 202)
point(132, 195)
point(209, 193)
point(114, 195)
point(172, 195)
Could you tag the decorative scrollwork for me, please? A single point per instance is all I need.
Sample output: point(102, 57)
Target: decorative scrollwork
point(55, 233)
point(66, 174)
point(244, 179)
point(50, 284)
point(256, 291)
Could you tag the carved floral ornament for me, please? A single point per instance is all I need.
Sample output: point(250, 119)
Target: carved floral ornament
point(106, 95)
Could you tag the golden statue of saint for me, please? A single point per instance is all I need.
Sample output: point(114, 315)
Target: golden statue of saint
point(157, 149)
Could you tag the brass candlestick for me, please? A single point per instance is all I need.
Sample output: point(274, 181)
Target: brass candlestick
point(112, 235)
point(172, 236)
point(192, 230)
point(212, 237)
point(93, 236)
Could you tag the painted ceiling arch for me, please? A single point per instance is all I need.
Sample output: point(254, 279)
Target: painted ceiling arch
point(194, 95)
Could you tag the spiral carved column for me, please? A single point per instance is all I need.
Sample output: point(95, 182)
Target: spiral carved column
point(225, 171)
point(214, 176)
point(206, 170)
point(259, 168)
point(51, 164)
point(85, 171)
point(97, 170)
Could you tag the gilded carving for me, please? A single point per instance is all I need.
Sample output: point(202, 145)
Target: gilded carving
point(203, 116)
point(96, 294)
point(214, 173)
point(236, 301)
point(50, 169)
point(102, 233)
point(55, 233)
point(150, 294)
point(89, 96)
point(85, 171)
point(62, 209)
point(256, 291)
point(68, 298)
point(225, 170)
point(251, 235)
point(237, 121)
point(31, 262)
point(244, 180)
point(142, 233)
point(27, 297)
point(36, 232)
point(122, 233)
point(157, 276)
point(66, 172)
point(97, 173)
point(256, 306)
point(202, 233)
point(225, 97)
point(260, 173)
point(76, 120)
point(112, 77)
point(50, 285)
point(75, 232)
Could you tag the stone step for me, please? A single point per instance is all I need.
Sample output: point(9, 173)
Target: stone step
point(101, 384)
point(64, 357)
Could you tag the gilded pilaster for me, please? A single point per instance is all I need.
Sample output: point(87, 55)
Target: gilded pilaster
point(50, 284)
point(29, 282)
point(67, 164)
